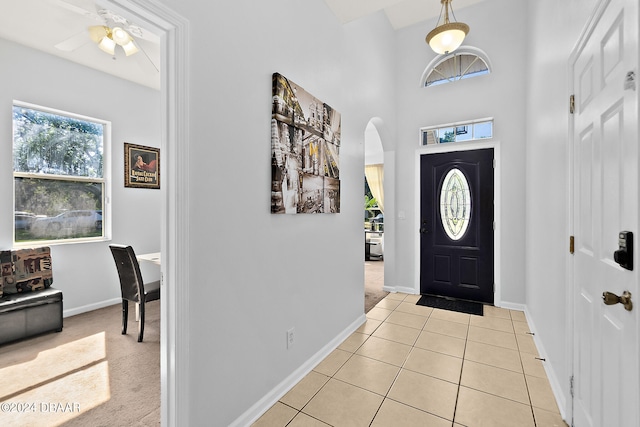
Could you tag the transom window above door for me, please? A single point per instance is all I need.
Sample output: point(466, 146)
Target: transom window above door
point(457, 132)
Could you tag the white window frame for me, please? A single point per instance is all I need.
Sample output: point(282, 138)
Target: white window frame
point(445, 57)
point(470, 123)
point(105, 180)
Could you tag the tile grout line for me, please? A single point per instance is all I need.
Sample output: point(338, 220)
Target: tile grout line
point(386, 395)
point(397, 374)
point(524, 373)
point(464, 352)
point(413, 347)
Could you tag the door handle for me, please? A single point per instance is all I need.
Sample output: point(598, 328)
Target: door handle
point(609, 298)
point(423, 228)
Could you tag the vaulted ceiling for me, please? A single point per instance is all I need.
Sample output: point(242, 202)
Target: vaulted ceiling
point(60, 27)
point(401, 13)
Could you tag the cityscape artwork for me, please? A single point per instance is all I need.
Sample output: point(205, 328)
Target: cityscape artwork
point(305, 147)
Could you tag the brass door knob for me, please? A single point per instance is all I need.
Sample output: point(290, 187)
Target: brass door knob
point(609, 298)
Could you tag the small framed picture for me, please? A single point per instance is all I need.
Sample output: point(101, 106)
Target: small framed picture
point(141, 166)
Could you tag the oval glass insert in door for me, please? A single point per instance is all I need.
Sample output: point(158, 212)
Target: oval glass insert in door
point(455, 204)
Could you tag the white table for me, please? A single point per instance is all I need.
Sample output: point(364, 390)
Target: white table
point(153, 257)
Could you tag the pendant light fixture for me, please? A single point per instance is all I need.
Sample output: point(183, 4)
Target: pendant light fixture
point(449, 36)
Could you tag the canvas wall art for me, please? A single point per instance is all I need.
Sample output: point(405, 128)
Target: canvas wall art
point(305, 149)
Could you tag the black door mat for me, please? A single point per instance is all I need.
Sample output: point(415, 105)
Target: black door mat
point(451, 304)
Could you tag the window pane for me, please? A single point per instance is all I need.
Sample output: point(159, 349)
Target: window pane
point(48, 209)
point(54, 144)
point(447, 135)
point(455, 204)
point(483, 130)
point(464, 133)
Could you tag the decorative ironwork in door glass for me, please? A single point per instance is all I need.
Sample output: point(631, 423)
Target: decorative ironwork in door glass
point(455, 204)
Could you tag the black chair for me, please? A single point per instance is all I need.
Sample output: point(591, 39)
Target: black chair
point(132, 286)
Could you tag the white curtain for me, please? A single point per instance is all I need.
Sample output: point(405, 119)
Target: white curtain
point(375, 178)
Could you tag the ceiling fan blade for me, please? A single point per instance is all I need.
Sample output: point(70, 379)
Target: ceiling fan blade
point(74, 42)
point(145, 62)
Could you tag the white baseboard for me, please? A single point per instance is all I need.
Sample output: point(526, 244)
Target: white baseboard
point(512, 306)
point(400, 289)
point(261, 406)
point(90, 307)
point(561, 399)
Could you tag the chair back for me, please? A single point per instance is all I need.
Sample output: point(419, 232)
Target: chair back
point(131, 283)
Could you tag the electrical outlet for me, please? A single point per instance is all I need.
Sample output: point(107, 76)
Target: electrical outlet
point(290, 337)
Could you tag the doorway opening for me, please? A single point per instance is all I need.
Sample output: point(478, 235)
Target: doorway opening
point(497, 202)
point(456, 225)
point(373, 218)
point(174, 243)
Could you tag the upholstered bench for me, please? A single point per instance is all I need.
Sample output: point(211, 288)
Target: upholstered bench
point(33, 313)
point(28, 304)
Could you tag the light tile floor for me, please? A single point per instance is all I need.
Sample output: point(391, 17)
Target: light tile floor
point(410, 365)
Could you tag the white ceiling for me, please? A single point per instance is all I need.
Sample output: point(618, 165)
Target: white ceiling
point(43, 24)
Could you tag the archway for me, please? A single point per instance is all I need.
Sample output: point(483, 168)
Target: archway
point(374, 215)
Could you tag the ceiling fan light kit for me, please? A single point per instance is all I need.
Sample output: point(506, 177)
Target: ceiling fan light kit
point(449, 36)
point(108, 38)
point(111, 31)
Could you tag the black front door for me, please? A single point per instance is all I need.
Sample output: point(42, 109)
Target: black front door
point(456, 225)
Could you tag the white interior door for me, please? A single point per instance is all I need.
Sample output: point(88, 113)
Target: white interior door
point(605, 196)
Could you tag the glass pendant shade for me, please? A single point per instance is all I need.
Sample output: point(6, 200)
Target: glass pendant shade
point(107, 45)
point(130, 48)
point(447, 37)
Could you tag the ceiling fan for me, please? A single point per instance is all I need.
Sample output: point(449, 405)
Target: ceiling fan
point(112, 31)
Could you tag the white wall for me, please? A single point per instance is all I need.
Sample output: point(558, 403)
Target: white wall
point(499, 95)
point(254, 275)
point(85, 272)
point(554, 30)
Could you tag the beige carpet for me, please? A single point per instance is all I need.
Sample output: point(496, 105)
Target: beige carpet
point(87, 375)
point(373, 283)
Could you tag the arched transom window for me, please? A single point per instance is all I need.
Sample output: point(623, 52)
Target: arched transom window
point(464, 63)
